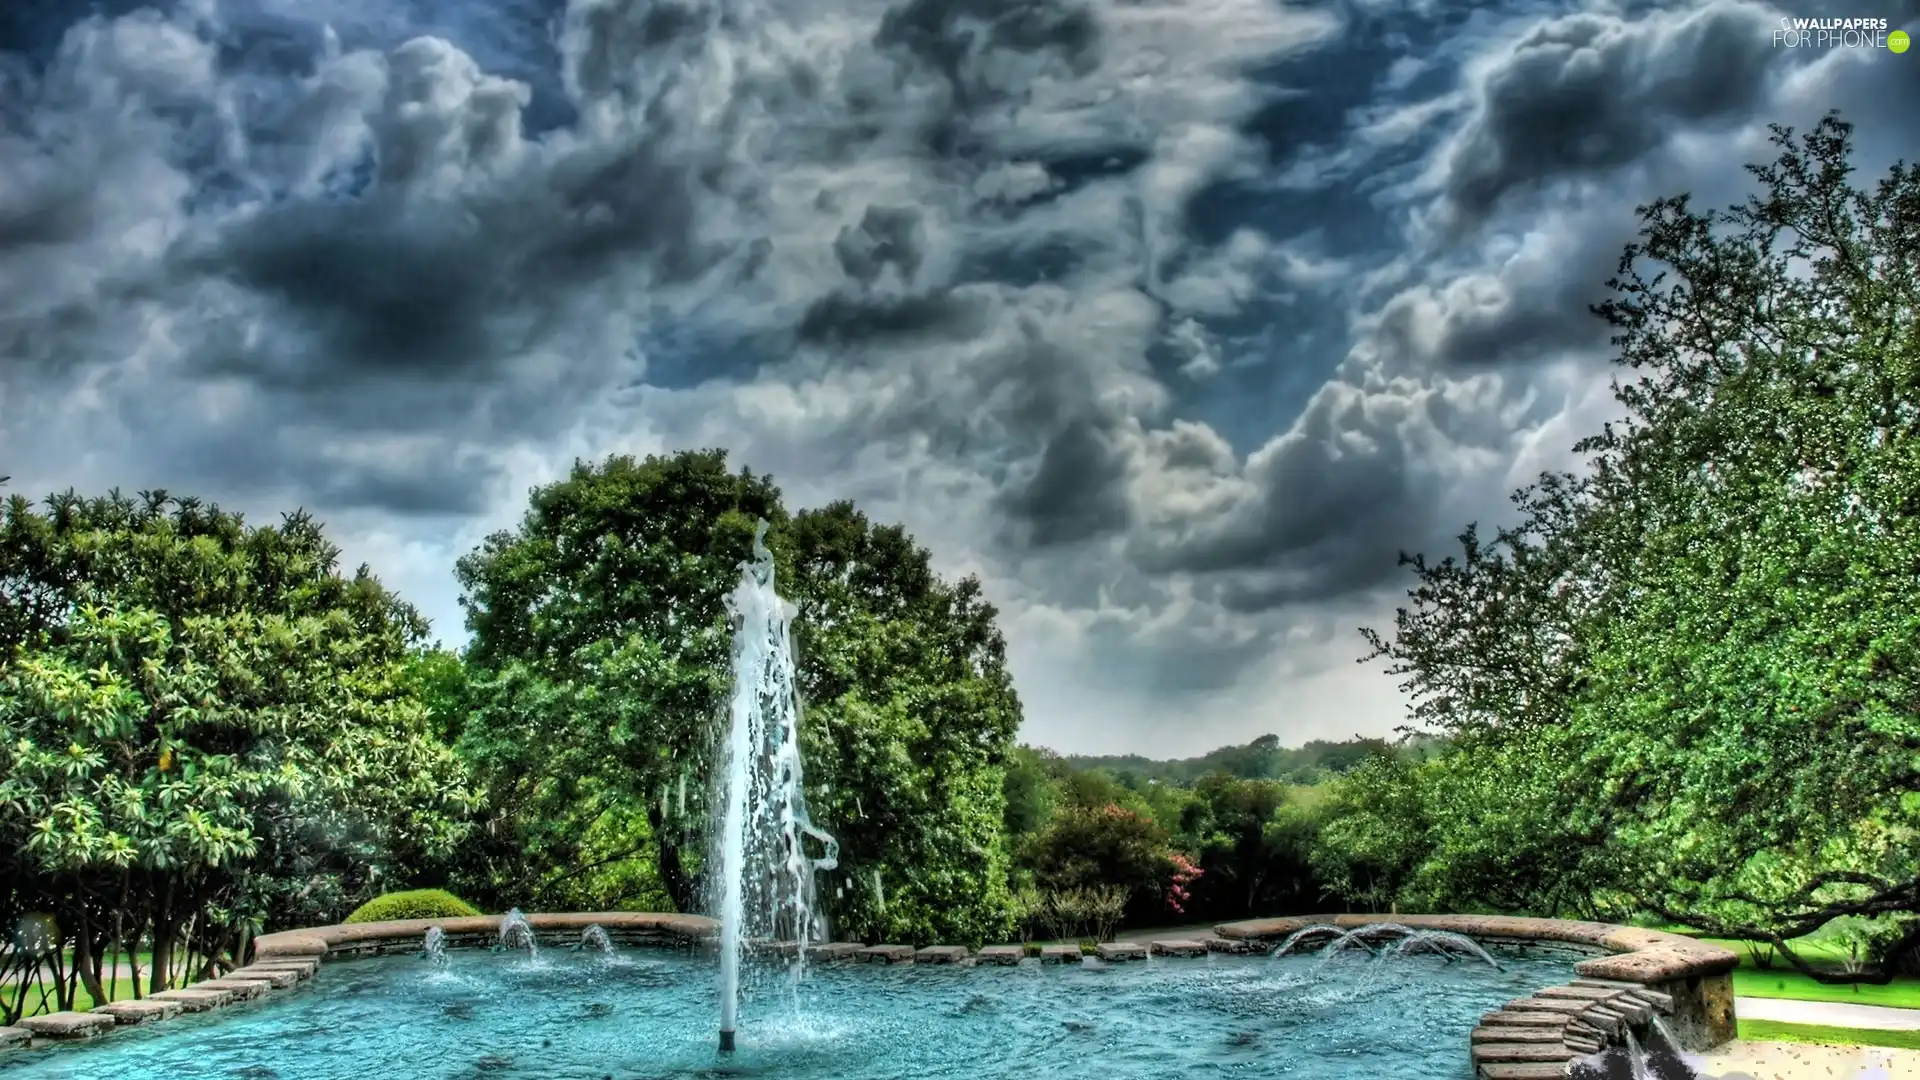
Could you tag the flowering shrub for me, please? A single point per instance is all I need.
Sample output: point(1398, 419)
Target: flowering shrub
point(1185, 873)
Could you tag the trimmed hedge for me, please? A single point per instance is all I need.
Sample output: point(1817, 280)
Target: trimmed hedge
point(413, 904)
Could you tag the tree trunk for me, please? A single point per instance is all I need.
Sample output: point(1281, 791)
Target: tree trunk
point(673, 876)
point(86, 959)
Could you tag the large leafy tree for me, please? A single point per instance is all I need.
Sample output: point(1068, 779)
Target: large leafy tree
point(600, 662)
point(1701, 659)
point(202, 728)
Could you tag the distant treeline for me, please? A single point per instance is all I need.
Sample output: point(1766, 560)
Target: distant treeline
point(1262, 759)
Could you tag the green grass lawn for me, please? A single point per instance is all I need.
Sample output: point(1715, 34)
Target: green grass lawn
point(1821, 1034)
point(1781, 981)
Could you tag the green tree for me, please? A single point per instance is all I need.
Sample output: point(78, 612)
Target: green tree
point(1701, 655)
point(601, 657)
point(202, 729)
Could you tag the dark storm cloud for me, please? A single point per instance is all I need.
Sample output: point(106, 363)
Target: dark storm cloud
point(1588, 93)
point(960, 40)
point(1076, 493)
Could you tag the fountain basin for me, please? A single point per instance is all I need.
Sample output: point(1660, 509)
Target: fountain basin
point(1586, 982)
point(646, 1013)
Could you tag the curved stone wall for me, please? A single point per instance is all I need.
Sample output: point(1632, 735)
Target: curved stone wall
point(1629, 977)
point(1632, 978)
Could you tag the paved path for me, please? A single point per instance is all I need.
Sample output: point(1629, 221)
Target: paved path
point(1831, 1013)
point(1792, 1061)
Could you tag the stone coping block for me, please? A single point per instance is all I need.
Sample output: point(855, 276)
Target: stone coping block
point(1061, 954)
point(277, 978)
point(14, 1036)
point(194, 999)
point(1526, 1019)
point(887, 954)
point(942, 954)
point(1177, 948)
point(626, 927)
point(1506, 1033)
point(1491, 1052)
point(139, 1010)
point(1003, 955)
point(1235, 946)
point(1114, 952)
point(243, 989)
point(67, 1025)
point(1523, 1070)
point(836, 951)
point(304, 966)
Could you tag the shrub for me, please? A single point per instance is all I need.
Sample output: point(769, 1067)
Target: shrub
point(413, 904)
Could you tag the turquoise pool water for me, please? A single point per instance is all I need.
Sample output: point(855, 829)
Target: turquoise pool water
point(647, 1015)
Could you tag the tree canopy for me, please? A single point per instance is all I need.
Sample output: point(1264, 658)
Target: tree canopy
point(201, 728)
point(1685, 683)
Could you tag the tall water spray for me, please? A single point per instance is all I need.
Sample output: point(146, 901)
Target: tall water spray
point(766, 875)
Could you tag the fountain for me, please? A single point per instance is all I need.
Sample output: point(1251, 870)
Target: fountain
point(1405, 940)
point(435, 948)
point(594, 939)
point(766, 875)
point(516, 934)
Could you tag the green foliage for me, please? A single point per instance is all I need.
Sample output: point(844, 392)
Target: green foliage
point(1089, 847)
point(1689, 681)
point(412, 904)
point(600, 665)
point(202, 727)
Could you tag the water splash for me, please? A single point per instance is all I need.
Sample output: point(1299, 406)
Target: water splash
point(766, 875)
point(1394, 939)
point(594, 939)
point(516, 934)
point(434, 949)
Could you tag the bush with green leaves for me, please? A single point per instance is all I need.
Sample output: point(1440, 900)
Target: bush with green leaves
point(412, 904)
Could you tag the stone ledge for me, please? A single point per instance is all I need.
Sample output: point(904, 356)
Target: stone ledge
point(14, 1036)
point(887, 954)
point(139, 1010)
point(1002, 955)
point(1178, 948)
point(1115, 952)
point(67, 1025)
point(836, 951)
point(1061, 954)
point(194, 999)
point(942, 954)
point(275, 978)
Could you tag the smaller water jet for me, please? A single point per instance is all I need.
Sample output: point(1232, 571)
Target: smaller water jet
point(516, 934)
point(434, 949)
point(594, 939)
point(1394, 938)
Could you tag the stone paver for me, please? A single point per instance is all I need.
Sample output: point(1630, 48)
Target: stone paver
point(1830, 1013)
point(837, 950)
point(1523, 1071)
point(140, 1011)
point(67, 1025)
point(243, 989)
point(1179, 948)
point(195, 999)
point(1002, 954)
point(277, 978)
point(307, 965)
point(1115, 952)
point(1505, 1033)
point(1489, 1053)
point(942, 954)
point(1235, 946)
point(14, 1036)
point(887, 954)
point(1061, 954)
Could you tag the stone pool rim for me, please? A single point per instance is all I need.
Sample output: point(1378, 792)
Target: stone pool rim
point(1633, 974)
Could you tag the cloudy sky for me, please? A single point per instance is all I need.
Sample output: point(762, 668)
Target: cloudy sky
point(1175, 320)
